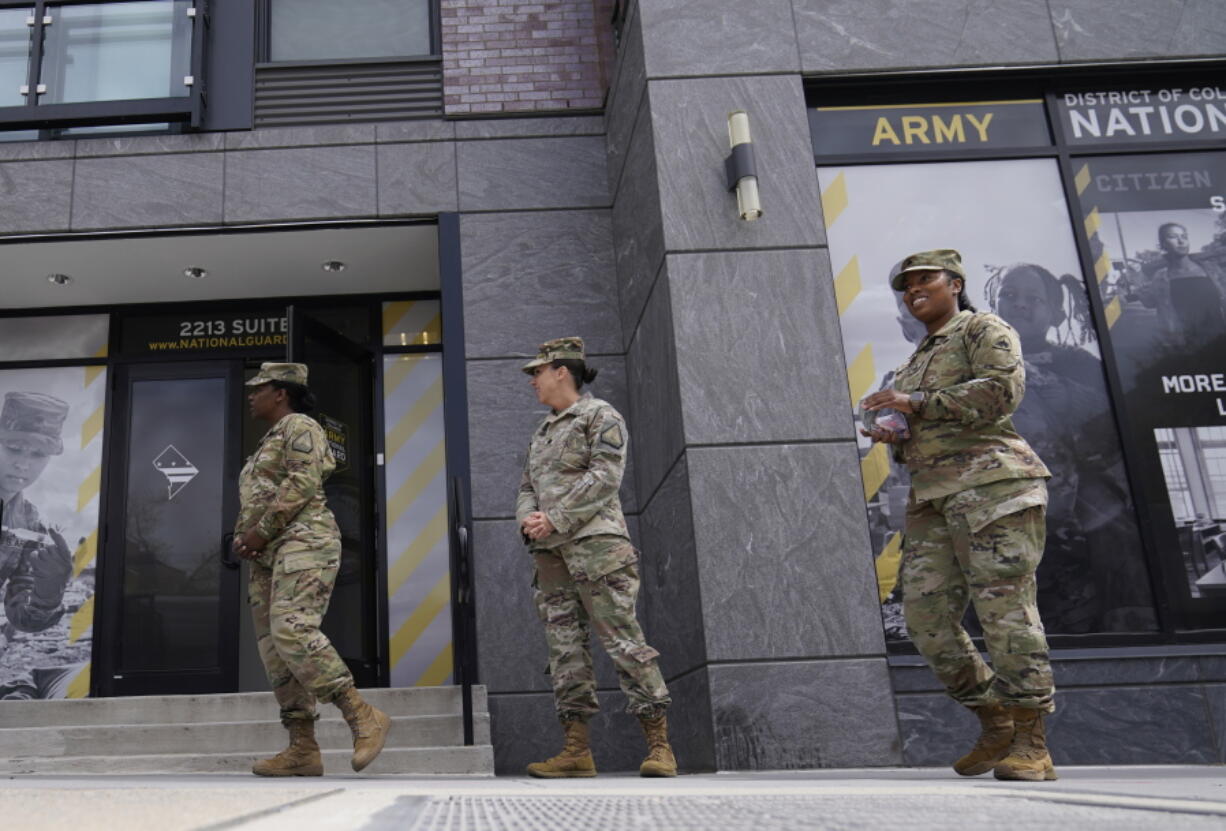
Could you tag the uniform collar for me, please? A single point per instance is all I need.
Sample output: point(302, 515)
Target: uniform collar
point(952, 326)
point(573, 409)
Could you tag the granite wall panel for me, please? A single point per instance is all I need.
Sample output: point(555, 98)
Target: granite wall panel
point(718, 37)
point(537, 275)
point(524, 730)
point(304, 136)
point(783, 557)
point(847, 35)
point(638, 238)
point(1089, 30)
point(148, 191)
point(35, 196)
point(417, 178)
point(625, 97)
point(300, 183)
point(519, 174)
point(655, 403)
point(804, 714)
point(690, 726)
point(758, 348)
point(147, 145)
point(690, 122)
point(486, 128)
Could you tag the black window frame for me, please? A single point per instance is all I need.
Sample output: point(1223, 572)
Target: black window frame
point(182, 111)
point(263, 42)
point(1176, 625)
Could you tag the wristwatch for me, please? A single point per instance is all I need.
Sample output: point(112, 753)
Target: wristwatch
point(917, 401)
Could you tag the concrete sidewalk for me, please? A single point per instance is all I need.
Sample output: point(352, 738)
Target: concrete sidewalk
point(1084, 798)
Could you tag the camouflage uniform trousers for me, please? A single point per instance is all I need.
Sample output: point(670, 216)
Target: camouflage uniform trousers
point(288, 602)
point(982, 546)
point(570, 608)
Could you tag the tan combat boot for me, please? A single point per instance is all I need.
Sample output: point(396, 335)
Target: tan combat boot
point(301, 758)
point(1028, 758)
point(575, 760)
point(995, 737)
point(660, 760)
point(368, 724)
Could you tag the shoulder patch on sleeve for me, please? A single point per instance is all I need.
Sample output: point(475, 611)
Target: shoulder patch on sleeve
point(303, 442)
point(612, 436)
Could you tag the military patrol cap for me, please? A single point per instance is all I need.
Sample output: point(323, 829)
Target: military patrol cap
point(558, 349)
point(941, 259)
point(290, 373)
point(34, 416)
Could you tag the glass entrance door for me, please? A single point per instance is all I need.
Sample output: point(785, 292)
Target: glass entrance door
point(172, 599)
point(341, 374)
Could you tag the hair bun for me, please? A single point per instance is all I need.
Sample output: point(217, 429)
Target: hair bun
point(589, 375)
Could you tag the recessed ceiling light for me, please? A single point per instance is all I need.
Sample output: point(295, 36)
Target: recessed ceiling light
point(59, 279)
point(195, 272)
point(333, 265)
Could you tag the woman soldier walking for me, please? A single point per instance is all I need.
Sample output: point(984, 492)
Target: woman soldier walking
point(975, 516)
point(571, 519)
point(290, 536)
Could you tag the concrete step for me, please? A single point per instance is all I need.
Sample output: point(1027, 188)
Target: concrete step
point(477, 760)
point(263, 737)
point(225, 707)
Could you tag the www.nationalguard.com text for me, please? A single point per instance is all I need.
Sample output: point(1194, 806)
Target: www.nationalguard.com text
point(217, 343)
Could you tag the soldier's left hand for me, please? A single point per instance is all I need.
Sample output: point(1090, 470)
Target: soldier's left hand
point(878, 434)
point(537, 526)
point(249, 545)
point(887, 399)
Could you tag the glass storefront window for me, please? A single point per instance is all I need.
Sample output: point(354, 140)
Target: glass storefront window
point(320, 30)
point(117, 51)
point(53, 337)
point(14, 55)
point(412, 323)
point(1022, 264)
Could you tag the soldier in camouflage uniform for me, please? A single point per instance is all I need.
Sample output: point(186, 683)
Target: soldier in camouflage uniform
point(290, 537)
point(35, 561)
point(570, 517)
point(975, 517)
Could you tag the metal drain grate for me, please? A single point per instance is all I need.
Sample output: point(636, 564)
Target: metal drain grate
point(836, 812)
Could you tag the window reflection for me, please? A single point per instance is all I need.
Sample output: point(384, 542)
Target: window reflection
point(320, 30)
point(117, 51)
point(14, 55)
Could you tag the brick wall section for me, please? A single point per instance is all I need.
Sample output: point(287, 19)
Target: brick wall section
point(502, 56)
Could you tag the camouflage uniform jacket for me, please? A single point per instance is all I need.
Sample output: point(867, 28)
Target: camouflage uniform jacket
point(574, 469)
point(963, 435)
point(29, 606)
point(281, 489)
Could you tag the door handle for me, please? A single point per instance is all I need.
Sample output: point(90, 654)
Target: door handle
point(227, 550)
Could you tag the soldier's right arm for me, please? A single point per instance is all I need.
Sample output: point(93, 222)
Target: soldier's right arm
point(526, 502)
point(998, 377)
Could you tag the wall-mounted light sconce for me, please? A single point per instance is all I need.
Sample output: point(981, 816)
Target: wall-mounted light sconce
point(741, 167)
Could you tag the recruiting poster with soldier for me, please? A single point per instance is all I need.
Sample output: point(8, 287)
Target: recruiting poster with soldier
point(1011, 222)
point(1156, 228)
point(50, 472)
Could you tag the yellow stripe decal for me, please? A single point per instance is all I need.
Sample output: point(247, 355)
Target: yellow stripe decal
point(395, 374)
point(407, 493)
point(85, 553)
point(422, 616)
point(887, 567)
point(1112, 312)
point(89, 488)
point(1093, 222)
point(860, 374)
point(82, 620)
point(438, 671)
point(92, 373)
point(434, 329)
point(1103, 267)
point(875, 468)
point(431, 399)
point(393, 312)
point(1082, 179)
point(834, 199)
point(92, 427)
point(847, 284)
point(78, 687)
point(412, 556)
point(926, 106)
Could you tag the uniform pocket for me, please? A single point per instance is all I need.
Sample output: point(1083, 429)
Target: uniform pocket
point(980, 516)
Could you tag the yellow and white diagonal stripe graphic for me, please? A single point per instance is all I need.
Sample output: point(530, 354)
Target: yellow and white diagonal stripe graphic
point(418, 585)
point(86, 554)
point(834, 199)
point(412, 323)
point(887, 567)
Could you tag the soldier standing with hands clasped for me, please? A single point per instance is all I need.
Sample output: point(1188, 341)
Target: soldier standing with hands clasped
point(289, 535)
point(975, 516)
point(586, 576)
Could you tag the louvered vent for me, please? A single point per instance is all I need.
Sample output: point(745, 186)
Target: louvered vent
point(287, 94)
